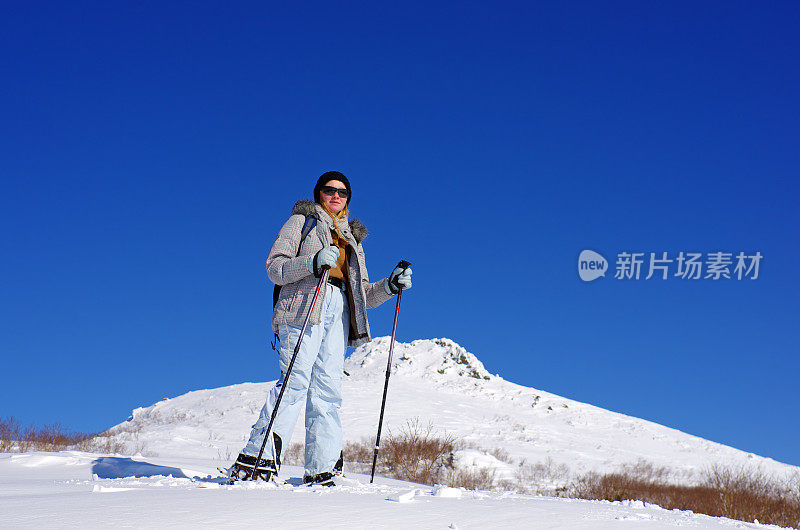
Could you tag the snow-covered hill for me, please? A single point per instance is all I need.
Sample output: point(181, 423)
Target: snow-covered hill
point(438, 383)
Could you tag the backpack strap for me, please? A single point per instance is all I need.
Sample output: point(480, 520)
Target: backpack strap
point(308, 226)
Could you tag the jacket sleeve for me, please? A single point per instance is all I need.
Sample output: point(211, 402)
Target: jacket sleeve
point(284, 266)
point(375, 292)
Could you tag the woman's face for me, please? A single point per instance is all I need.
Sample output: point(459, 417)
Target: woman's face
point(334, 202)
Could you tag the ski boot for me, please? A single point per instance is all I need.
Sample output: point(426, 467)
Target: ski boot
point(320, 479)
point(327, 478)
point(242, 469)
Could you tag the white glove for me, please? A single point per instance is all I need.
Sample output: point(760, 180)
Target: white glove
point(400, 278)
point(326, 257)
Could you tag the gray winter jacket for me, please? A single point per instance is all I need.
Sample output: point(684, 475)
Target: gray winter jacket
point(287, 267)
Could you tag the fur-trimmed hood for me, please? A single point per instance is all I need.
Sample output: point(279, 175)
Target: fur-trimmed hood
point(309, 208)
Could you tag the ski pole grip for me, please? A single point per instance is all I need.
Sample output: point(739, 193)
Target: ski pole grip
point(402, 264)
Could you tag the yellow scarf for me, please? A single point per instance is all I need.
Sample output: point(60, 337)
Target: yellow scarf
point(341, 269)
point(336, 217)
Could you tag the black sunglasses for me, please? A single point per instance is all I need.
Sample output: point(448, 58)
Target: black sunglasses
point(330, 190)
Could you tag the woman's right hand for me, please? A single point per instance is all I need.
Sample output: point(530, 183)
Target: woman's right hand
point(326, 257)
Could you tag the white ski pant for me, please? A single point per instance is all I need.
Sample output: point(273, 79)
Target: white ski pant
point(316, 382)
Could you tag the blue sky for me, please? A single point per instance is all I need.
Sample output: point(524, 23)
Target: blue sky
point(150, 152)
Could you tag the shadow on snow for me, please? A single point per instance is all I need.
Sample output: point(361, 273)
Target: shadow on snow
point(116, 467)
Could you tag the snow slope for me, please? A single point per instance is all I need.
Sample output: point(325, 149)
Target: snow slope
point(178, 443)
point(437, 382)
point(81, 490)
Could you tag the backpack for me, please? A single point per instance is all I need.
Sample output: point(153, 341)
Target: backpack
point(308, 226)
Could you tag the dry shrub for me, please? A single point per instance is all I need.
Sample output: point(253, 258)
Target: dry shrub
point(646, 471)
point(25, 439)
point(359, 454)
point(544, 478)
point(746, 495)
point(53, 438)
point(501, 454)
point(740, 494)
point(294, 455)
point(478, 479)
point(14, 437)
point(794, 485)
point(9, 433)
point(547, 471)
point(49, 438)
point(122, 439)
point(104, 442)
point(417, 455)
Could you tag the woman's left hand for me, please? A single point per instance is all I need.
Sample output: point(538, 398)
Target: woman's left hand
point(400, 278)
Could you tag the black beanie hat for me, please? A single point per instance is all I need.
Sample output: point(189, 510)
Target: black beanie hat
point(332, 175)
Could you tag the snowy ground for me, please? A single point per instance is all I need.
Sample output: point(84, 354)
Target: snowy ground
point(74, 489)
point(178, 443)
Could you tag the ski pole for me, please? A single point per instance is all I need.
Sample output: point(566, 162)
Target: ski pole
point(404, 265)
point(322, 280)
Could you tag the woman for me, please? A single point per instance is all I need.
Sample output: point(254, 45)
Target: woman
point(338, 320)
